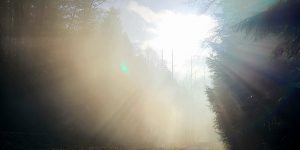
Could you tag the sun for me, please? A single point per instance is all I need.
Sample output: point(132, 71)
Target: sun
point(181, 34)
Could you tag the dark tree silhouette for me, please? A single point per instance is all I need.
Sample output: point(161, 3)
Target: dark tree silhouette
point(256, 97)
point(281, 20)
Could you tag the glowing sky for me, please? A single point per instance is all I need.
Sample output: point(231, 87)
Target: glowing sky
point(168, 26)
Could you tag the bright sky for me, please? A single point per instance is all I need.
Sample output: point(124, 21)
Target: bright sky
point(166, 26)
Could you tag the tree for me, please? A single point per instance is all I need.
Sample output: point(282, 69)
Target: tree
point(280, 20)
point(34, 37)
point(254, 94)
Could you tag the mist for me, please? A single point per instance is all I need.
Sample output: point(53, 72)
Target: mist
point(71, 77)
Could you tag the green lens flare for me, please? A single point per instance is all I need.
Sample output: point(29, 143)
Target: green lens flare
point(124, 68)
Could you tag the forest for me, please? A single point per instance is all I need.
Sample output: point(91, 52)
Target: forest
point(255, 92)
point(71, 78)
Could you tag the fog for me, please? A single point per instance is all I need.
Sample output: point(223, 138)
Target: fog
point(72, 77)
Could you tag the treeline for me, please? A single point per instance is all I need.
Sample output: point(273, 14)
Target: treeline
point(255, 92)
point(70, 77)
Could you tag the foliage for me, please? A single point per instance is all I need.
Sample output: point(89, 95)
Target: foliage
point(281, 20)
point(254, 94)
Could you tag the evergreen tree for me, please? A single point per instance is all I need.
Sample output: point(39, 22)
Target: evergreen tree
point(254, 94)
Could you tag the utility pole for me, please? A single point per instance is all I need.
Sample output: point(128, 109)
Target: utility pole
point(172, 65)
point(162, 57)
point(204, 75)
point(191, 70)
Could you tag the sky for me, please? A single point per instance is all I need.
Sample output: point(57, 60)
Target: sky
point(166, 27)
